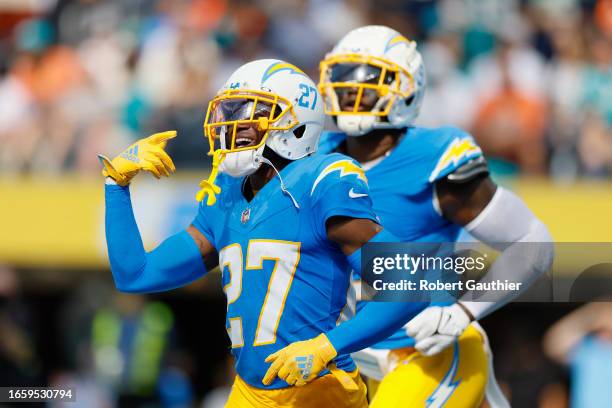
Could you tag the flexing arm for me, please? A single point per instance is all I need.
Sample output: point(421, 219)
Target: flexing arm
point(177, 261)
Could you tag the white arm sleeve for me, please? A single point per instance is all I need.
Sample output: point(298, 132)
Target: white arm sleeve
point(504, 224)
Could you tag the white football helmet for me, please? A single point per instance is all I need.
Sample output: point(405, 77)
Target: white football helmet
point(375, 63)
point(280, 100)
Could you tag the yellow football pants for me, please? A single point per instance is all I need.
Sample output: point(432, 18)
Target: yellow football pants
point(453, 378)
point(324, 392)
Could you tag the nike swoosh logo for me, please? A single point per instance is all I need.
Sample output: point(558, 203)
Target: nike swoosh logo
point(353, 194)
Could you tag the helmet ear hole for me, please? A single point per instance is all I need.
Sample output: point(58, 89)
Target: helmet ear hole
point(409, 100)
point(299, 131)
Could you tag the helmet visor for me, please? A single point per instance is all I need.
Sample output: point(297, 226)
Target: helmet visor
point(356, 84)
point(360, 73)
point(234, 110)
point(240, 109)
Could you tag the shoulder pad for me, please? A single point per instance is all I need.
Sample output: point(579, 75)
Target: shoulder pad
point(469, 170)
point(343, 166)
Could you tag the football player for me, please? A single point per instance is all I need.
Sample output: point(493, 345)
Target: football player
point(280, 223)
point(426, 185)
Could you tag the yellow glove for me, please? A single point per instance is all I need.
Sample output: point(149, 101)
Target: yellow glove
point(302, 361)
point(146, 154)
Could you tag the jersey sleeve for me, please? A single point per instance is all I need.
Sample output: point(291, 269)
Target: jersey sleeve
point(457, 149)
point(340, 189)
point(203, 221)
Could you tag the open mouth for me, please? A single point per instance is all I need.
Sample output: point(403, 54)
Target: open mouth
point(244, 142)
point(246, 136)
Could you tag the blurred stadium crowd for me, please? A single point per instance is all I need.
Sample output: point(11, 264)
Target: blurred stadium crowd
point(531, 79)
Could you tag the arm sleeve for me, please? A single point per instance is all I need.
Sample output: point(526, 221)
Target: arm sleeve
point(527, 249)
point(367, 327)
point(175, 262)
point(341, 191)
point(201, 224)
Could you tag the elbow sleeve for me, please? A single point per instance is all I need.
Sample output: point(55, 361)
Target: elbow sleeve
point(526, 246)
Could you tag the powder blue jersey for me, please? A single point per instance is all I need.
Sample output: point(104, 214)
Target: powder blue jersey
point(283, 279)
point(402, 187)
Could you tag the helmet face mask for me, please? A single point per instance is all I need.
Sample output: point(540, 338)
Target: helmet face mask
point(374, 78)
point(234, 110)
point(264, 103)
point(362, 76)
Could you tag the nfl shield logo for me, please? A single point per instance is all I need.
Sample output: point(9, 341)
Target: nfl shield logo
point(246, 214)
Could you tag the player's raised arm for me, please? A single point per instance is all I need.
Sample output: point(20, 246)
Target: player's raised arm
point(179, 259)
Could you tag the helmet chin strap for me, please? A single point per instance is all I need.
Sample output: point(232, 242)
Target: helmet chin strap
point(361, 124)
point(236, 164)
point(356, 125)
point(240, 164)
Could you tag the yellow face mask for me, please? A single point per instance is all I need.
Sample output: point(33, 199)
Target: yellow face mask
point(354, 84)
point(233, 109)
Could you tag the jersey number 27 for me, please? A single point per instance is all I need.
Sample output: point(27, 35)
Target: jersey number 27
point(286, 255)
